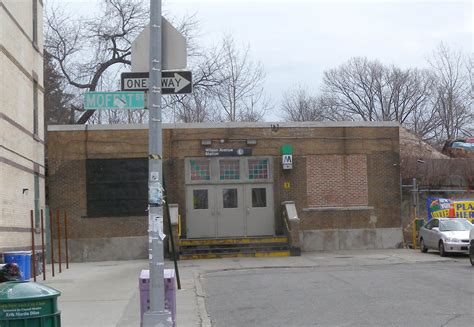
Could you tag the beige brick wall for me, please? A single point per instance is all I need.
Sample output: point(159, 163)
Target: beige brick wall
point(18, 40)
point(21, 154)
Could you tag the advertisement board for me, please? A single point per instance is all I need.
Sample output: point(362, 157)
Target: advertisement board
point(450, 208)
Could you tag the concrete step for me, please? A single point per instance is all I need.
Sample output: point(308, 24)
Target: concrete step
point(234, 247)
point(234, 255)
point(233, 240)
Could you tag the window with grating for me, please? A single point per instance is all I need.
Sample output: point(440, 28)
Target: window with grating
point(229, 169)
point(117, 187)
point(200, 169)
point(258, 168)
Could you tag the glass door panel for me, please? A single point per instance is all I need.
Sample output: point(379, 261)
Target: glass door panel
point(201, 218)
point(230, 211)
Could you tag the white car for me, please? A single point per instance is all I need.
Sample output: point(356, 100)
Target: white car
point(445, 235)
point(471, 246)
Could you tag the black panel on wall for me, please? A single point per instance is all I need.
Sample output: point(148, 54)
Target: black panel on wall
point(117, 187)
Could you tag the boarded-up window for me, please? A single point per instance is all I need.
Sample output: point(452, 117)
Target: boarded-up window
point(117, 187)
point(337, 180)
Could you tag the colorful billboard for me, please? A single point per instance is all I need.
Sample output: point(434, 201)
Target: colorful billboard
point(450, 208)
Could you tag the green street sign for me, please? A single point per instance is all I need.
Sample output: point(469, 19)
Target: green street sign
point(114, 100)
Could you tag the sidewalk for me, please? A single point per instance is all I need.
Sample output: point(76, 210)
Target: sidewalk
point(105, 294)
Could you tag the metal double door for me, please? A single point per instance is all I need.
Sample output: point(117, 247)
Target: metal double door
point(229, 210)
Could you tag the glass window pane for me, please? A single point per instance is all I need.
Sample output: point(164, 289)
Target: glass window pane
point(229, 169)
point(200, 170)
point(200, 200)
point(259, 197)
point(258, 168)
point(229, 196)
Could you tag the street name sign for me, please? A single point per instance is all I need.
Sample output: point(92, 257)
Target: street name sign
point(114, 100)
point(173, 49)
point(172, 82)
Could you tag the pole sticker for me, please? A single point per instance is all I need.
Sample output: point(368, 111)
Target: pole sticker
point(154, 157)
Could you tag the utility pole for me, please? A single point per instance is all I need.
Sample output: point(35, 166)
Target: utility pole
point(156, 316)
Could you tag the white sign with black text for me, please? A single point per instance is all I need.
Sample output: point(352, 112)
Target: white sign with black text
point(287, 161)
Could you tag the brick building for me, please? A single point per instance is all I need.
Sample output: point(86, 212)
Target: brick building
point(21, 120)
point(229, 181)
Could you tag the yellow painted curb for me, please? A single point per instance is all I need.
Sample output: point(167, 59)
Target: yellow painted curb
point(234, 255)
point(264, 240)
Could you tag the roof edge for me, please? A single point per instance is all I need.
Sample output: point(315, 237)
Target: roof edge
point(61, 128)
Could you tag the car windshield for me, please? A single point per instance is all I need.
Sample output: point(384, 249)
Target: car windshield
point(455, 225)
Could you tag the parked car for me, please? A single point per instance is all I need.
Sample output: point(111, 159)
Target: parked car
point(471, 246)
point(445, 235)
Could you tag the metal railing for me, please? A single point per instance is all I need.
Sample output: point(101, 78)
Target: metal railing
point(49, 235)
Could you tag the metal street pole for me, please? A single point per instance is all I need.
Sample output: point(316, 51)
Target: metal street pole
point(156, 315)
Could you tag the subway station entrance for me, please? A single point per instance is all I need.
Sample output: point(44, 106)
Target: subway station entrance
point(229, 197)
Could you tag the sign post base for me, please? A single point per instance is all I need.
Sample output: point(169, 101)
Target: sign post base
point(157, 319)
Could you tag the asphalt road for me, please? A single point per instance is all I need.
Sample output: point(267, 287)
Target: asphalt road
point(406, 294)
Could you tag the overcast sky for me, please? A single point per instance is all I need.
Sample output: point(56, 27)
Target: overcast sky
point(298, 40)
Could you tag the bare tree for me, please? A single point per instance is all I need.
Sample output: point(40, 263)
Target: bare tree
point(227, 86)
point(86, 49)
point(453, 97)
point(198, 106)
point(299, 105)
point(370, 91)
point(239, 95)
point(90, 54)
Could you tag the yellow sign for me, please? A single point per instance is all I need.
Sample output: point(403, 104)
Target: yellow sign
point(447, 208)
point(286, 185)
point(440, 214)
point(464, 209)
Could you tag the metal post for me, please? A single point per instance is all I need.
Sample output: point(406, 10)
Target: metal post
point(156, 315)
point(66, 239)
point(33, 250)
point(51, 240)
point(58, 215)
point(415, 197)
point(43, 259)
point(415, 214)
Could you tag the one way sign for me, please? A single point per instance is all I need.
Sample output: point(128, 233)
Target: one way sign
point(172, 82)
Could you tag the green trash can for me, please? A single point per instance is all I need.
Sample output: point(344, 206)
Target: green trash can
point(419, 223)
point(27, 304)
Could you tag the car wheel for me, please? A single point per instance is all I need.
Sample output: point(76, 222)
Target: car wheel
point(442, 252)
point(423, 248)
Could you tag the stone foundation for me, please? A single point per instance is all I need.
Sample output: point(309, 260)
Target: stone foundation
point(351, 239)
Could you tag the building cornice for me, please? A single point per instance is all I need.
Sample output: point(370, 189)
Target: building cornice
point(213, 125)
